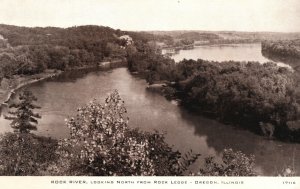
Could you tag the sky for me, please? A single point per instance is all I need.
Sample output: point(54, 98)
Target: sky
point(137, 15)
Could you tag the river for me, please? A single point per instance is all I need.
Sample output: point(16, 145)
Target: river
point(226, 52)
point(60, 97)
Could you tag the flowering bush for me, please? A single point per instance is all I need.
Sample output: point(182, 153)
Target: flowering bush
point(101, 143)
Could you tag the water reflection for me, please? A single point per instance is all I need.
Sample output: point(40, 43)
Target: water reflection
point(271, 156)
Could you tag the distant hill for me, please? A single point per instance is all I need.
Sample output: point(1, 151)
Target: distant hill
point(52, 35)
point(228, 35)
point(196, 36)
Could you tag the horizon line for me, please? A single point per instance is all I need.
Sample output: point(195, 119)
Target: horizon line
point(156, 30)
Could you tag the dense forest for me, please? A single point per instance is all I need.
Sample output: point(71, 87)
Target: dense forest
point(287, 51)
point(286, 48)
point(32, 50)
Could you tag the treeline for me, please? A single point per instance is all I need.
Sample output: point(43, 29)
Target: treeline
point(262, 97)
point(196, 36)
point(286, 48)
point(146, 37)
point(181, 38)
point(228, 35)
point(73, 37)
point(190, 38)
point(29, 60)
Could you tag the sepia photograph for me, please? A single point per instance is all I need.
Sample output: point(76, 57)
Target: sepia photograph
point(132, 89)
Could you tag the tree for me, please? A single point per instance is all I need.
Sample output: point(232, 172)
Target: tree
point(24, 119)
point(101, 143)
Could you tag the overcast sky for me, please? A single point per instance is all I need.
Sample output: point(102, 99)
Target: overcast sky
point(240, 15)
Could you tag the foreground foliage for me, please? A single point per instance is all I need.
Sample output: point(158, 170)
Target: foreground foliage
point(233, 164)
point(25, 154)
point(101, 143)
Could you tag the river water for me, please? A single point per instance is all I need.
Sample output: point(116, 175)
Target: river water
point(226, 52)
point(61, 96)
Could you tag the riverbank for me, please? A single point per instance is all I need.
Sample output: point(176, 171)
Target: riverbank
point(113, 63)
point(8, 87)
